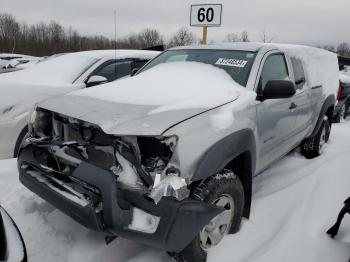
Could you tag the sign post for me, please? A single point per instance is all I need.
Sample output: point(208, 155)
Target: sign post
point(204, 37)
point(206, 16)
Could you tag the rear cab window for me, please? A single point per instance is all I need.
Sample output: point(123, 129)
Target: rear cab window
point(299, 73)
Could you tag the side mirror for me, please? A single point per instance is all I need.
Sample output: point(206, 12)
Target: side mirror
point(278, 89)
point(95, 80)
point(134, 71)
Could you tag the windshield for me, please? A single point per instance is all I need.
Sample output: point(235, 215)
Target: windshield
point(236, 63)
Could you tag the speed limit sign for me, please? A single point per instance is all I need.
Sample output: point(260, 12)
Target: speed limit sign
point(206, 15)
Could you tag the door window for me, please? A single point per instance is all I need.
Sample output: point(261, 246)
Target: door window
point(114, 70)
point(275, 68)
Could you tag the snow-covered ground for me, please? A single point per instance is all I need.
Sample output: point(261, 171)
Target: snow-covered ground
point(294, 203)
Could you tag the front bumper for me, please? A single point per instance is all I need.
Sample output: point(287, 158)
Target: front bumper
point(180, 221)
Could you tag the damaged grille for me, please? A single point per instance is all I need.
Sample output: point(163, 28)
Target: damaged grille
point(70, 141)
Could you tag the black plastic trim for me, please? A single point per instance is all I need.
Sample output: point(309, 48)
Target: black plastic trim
point(329, 102)
point(223, 152)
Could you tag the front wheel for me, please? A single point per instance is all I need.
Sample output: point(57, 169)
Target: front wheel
point(225, 190)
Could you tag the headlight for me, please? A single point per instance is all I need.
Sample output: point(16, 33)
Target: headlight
point(31, 119)
point(171, 142)
point(40, 123)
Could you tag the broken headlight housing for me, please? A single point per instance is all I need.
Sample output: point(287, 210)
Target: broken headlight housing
point(40, 123)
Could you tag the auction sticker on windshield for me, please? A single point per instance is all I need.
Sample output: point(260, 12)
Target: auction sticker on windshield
point(231, 62)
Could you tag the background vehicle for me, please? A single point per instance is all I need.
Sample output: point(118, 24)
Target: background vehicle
point(19, 91)
point(8, 61)
point(168, 156)
point(12, 247)
point(343, 98)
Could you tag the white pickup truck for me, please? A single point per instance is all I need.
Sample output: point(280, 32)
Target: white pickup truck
point(167, 157)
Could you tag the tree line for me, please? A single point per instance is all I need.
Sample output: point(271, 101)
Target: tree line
point(44, 39)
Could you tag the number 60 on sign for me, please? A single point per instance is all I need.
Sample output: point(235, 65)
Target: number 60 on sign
point(206, 15)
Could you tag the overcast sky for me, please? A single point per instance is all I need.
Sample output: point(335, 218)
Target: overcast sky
point(292, 21)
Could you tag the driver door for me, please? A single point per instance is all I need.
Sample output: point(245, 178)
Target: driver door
point(276, 121)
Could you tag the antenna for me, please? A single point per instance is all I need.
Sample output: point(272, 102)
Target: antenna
point(115, 40)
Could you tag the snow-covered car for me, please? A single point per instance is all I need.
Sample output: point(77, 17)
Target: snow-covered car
point(8, 61)
point(9, 70)
point(167, 157)
point(12, 247)
point(20, 91)
point(343, 99)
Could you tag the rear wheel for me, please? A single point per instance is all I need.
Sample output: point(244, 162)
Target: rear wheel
point(225, 190)
point(313, 147)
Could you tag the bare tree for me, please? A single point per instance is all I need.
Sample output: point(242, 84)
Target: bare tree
point(244, 36)
point(182, 37)
point(9, 31)
point(343, 49)
point(330, 48)
point(265, 38)
point(150, 37)
point(231, 38)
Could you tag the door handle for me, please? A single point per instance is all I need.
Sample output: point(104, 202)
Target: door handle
point(293, 106)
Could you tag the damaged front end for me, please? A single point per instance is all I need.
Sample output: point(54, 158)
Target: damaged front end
point(126, 186)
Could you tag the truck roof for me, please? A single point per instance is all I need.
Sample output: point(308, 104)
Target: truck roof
point(244, 46)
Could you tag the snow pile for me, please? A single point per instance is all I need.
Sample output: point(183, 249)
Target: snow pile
point(144, 222)
point(294, 203)
point(320, 66)
point(179, 85)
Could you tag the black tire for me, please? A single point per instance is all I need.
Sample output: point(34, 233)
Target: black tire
point(224, 183)
point(312, 147)
point(19, 141)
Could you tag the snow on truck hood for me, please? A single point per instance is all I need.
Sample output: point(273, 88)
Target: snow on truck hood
point(151, 102)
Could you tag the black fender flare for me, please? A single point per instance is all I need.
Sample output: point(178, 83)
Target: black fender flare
point(328, 103)
point(218, 156)
point(222, 153)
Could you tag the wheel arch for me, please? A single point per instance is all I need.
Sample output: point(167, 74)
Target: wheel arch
point(326, 110)
point(20, 137)
point(237, 152)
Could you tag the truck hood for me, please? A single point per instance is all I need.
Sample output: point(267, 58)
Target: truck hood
point(16, 99)
point(151, 102)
